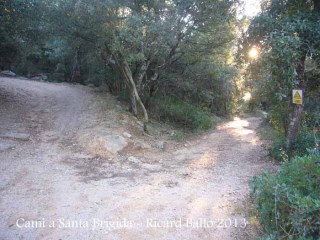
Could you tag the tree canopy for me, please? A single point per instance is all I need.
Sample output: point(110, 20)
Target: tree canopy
point(145, 48)
point(288, 38)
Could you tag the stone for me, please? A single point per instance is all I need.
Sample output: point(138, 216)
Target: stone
point(50, 136)
point(128, 135)
point(39, 77)
point(36, 78)
point(5, 146)
point(171, 184)
point(141, 125)
point(8, 73)
point(172, 133)
point(16, 136)
point(141, 146)
point(161, 145)
point(151, 167)
point(113, 143)
point(134, 159)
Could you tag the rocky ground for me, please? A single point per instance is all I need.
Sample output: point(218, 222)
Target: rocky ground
point(75, 165)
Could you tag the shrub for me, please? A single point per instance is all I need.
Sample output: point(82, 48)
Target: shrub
point(182, 113)
point(307, 140)
point(289, 201)
point(279, 150)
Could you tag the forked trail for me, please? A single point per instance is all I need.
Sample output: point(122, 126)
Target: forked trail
point(62, 179)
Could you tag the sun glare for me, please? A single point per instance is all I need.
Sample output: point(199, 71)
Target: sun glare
point(252, 7)
point(253, 53)
point(247, 96)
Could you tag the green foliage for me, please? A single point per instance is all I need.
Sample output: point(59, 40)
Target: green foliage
point(306, 141)
point(182, 48)
point(265, 130)
point(278, 150)
point(182, 113)
point(24, 31)
point(287, 36)
point(210, 85)
point(8, 51)
point(176, 46)
point(289, 201)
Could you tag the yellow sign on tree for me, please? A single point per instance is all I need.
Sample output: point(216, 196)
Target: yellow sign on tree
point(297, 96)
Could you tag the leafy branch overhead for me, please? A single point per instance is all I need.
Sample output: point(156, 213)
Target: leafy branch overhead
point(287, 35)
point(144, 48)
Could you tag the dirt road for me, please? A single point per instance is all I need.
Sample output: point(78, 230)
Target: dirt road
point(70, 170)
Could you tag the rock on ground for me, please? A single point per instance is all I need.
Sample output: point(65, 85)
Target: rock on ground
point(112, 142)
point(5, 146)
point(8, 73)
point(16, 136)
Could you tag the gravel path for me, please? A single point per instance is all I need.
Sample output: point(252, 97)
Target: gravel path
point(56, 184)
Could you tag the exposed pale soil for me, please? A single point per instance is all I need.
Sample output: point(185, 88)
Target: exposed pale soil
point(64, 159)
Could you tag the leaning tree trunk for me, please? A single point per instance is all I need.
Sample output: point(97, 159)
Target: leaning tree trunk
point(296, 116)
point(133, 102)
point(140, 75)
point(134, 95)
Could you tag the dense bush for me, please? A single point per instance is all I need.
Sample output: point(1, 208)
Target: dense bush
point(307, 140)
point(279, 150)
point(182, 113)
point(289, 201)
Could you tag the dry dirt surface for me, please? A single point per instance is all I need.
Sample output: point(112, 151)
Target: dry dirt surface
point(75, 165)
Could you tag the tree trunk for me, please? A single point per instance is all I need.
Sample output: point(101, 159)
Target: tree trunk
point(296, 116)
point(133, 102)
point(294, 126)
point(141, 74)
point(127, 74)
